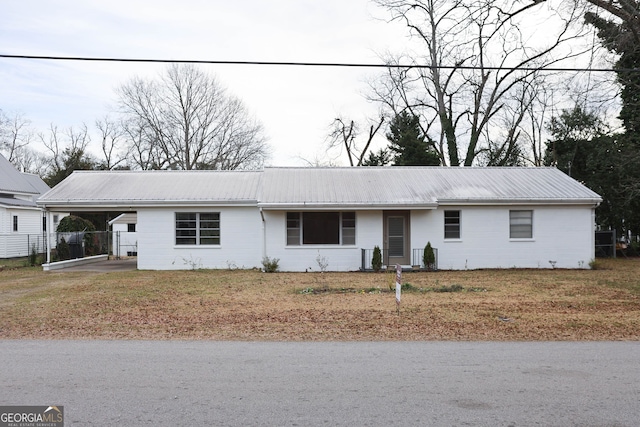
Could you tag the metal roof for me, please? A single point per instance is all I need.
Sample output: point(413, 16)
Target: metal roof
point(137, 188)
point(319, 188)
point(125, 218)
point(13, 202)
point(14, 182)
point(417, 187)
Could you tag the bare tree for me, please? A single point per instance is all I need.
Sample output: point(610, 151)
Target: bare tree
point(186, 120)
point(15, 135)
point(63, 145)
point(480, 57)
point(344, 136)
point(112, 135)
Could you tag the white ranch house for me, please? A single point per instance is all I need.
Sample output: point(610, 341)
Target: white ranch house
point(474, 217)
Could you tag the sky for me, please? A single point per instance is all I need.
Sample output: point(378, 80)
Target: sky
point(296, 105)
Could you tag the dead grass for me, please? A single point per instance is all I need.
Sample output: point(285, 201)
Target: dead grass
point(601, 304)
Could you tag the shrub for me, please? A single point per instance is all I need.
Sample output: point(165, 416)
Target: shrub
point(270, 265)
point(74, 223)
point(451, 288)
point(63, 250)
point(376, 261)
point(33, 256)
point(429, 257)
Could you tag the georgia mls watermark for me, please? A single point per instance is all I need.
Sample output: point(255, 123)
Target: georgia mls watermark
point(31, 416)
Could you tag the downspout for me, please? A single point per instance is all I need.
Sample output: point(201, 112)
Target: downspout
point(593, 232)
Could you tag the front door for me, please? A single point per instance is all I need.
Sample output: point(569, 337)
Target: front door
point(396, 238)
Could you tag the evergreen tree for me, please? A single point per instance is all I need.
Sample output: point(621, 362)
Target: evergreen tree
point(408, 145)
point(607, 164)
point(72, 159)
point(381, 158)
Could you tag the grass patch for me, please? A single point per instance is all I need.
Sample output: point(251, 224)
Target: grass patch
point(251, 305)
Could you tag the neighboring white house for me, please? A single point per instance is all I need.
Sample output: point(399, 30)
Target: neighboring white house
point(22, 224)
point(123, 235)
point(474, 217)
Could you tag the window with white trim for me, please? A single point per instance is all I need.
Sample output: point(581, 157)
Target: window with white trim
point(521, 224)
point(451, 224)
point(321, 228)
point(15, 223)
point(197, 228)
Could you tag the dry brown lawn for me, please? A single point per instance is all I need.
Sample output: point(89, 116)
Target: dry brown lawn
point(602, 304)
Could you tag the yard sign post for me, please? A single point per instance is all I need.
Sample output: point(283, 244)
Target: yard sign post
point(398, 286)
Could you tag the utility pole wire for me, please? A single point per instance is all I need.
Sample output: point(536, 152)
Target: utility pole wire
point(311, 64)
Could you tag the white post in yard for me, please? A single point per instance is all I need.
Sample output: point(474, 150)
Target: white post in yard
point(398, 286)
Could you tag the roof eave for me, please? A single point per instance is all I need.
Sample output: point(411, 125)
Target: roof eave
point(346, 206)
point(133, 204)
point(511, 202)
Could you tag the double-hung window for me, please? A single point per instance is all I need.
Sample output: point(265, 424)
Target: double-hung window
point(194, 228)
point(321, 228)
point(520, 224)
point(15, 223)
point(451, 224)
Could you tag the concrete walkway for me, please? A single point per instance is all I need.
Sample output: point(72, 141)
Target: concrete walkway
point(106, 266)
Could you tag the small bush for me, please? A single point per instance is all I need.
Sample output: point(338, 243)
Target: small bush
point(429, 257)
point(452, 288)
point(63, 250)
point(594, 264)
point(408, 287)
point(270, 265)
point(376, 261)
point(33, 256)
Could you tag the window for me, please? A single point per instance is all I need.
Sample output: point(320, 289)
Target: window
point(348, 228)
point(131, 228)
point(521, 224)
point(451, 224)
point(198, 228)
point(321, 228)
point(15, 223)
point(293, 228)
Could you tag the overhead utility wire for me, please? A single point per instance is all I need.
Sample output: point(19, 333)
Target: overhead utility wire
point(307, 64)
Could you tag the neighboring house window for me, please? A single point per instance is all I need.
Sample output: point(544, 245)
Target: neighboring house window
point(321, 228)
point(131, 228)
point(15, 223)
point(451, 224)
point(521, 224)
point(197, 228)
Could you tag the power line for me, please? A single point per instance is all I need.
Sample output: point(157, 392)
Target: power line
point(310, 64)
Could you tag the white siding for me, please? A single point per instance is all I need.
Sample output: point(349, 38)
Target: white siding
point(18, 244)
point(338, 257)
point(562, 235)
point(240, 238)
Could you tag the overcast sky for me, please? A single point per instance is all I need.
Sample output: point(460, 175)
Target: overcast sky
point(295, 104)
